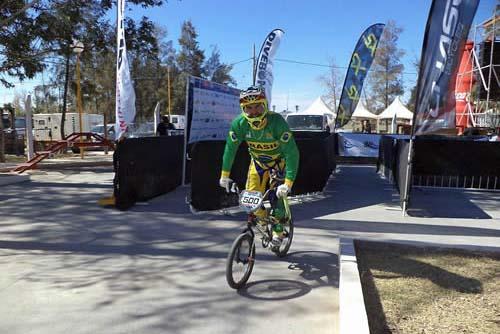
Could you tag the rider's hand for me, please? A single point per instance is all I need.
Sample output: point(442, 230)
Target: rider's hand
point(282, 190)
point(225, 183)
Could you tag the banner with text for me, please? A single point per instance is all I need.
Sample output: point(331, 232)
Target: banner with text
point(211, 108)
point(125, 94)
point(263, 72)
point(447, 29)
point(361, 61)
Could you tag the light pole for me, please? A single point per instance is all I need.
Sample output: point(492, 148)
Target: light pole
point(77, 49)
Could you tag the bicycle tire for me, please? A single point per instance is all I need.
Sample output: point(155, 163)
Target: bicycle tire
point(231, 259)
point(285, 246)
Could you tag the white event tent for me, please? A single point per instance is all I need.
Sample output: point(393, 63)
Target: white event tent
point(318, 107)
point(362, 113)
point(398, 109)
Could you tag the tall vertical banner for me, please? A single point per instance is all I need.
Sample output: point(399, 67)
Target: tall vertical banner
point(361, 61)
point(125, 95)
point(446, 32)
point(263, 71)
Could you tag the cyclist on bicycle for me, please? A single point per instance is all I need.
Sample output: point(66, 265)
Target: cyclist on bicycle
point(271, 146)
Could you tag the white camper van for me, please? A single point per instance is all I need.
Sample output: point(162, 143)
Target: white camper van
point(179, 121)
point(47, 127)
point(322, 122)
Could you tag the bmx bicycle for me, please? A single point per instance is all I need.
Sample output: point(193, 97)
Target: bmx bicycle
point(241, 257)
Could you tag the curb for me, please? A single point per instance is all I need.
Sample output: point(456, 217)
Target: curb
point(352, 311)
point(6, 179)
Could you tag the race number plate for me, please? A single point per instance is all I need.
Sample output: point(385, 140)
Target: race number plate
point(250, 200)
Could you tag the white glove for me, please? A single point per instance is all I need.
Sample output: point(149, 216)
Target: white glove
point(225, 183)
point(282, 190)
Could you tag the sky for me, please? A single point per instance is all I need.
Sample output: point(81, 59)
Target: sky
point(316, 31)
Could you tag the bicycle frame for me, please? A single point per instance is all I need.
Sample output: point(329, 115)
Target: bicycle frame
point(274, 182)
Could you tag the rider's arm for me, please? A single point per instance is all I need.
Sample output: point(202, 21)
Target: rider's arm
point(233, 141)
point(289, 150)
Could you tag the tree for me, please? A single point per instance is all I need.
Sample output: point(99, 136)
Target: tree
point(413, 92)
point(191, 57)
point(333, 85)
point(10, 113)
point(385, 79)
point(144, 55)
point(217, 71)
point(189, 61)
point(19, 55)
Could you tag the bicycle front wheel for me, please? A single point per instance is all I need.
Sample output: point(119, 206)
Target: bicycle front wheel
point(240, 261)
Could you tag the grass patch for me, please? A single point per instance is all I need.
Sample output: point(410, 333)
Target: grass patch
point(411, 289)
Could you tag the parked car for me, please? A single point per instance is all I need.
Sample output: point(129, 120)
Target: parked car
point(99, 129)
point(146, 129)
point(310, 122)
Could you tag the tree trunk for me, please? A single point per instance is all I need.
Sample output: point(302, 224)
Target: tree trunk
point(2, 138)
point(386, 84)
point(65, 96)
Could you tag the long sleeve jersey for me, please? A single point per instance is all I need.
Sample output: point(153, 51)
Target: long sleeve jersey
point(273, 142)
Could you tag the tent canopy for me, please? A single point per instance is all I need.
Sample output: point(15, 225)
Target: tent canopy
point(396, 108)
point(318, 107)
point(362, 112)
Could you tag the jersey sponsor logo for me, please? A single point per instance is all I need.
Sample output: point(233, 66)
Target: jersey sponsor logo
point(233, 137)
point(285, 137)
point(263, 146)
point(268, 135)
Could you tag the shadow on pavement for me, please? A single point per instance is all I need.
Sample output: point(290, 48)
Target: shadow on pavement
point(448, 203)
point(273, 290)
point(316, 269)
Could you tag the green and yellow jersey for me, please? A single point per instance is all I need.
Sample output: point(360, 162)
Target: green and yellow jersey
point(273, 142)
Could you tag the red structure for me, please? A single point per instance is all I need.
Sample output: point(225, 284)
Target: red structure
point(464, 83)
point(73, 140)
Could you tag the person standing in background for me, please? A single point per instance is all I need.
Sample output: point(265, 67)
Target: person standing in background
point(164, 126)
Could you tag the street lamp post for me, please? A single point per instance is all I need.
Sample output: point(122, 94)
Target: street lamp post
point(78, 49)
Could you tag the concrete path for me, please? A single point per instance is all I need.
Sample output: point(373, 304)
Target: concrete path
point(362, 205)
point(70, 266)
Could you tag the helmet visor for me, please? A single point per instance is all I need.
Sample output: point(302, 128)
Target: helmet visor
point(254, 110)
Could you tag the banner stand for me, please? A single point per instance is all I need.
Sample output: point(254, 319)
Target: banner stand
point(186, 128)
point(408, 177)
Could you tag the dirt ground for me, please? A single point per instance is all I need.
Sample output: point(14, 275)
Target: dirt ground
point(429, 290)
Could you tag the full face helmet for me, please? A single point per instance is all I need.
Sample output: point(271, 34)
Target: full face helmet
point(253, 103)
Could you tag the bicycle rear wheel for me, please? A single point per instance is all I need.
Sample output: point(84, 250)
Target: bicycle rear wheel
point(240, 261)
point(287, 241)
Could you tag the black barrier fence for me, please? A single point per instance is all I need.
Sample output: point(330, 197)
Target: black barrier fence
point(456, 162)
point(387, 155)
point(386, 163)
point(206, 164)
point(401, 167)
point(438, 161)
point(317, 161)
point(146, 167)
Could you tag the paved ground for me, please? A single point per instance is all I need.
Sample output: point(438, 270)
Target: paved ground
point(69, 265)
point(366, 206)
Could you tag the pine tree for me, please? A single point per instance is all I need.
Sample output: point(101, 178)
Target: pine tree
point(189, 61)
point(217, 71)
point(191, 57)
